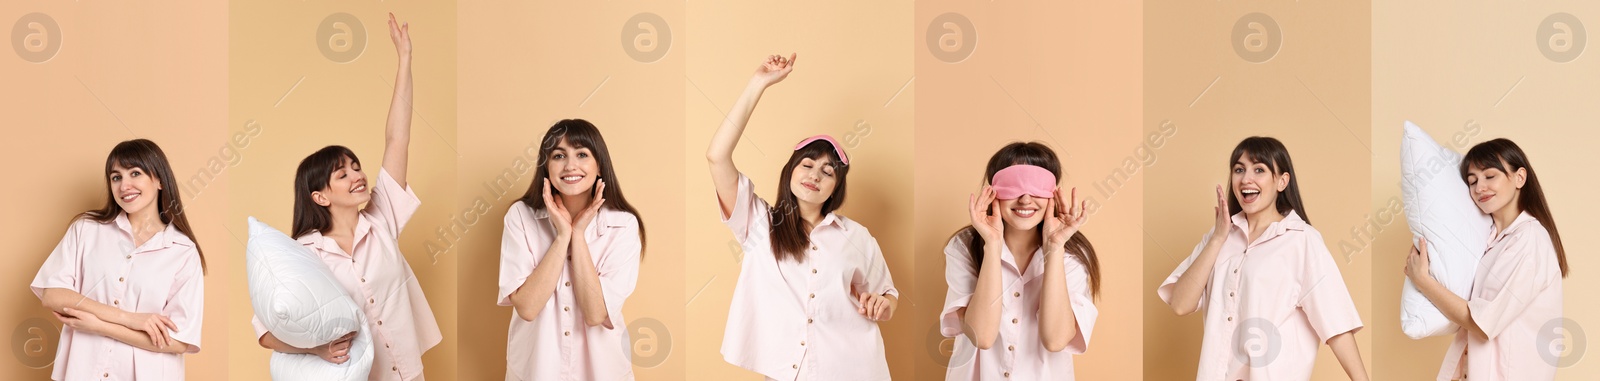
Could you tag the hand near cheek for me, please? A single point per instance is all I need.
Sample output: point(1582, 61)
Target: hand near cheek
point(873, 306)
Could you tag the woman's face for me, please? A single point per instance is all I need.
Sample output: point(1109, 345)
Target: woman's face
point(1255, 186)
point(812, 180)
point(1493, 189)
point(134, 188)
point(1023, 213)
point(572, 170)
point(347, 186)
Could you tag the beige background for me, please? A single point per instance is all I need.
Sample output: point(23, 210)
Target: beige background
point(571, 65)
point(854, 58)
point(1079, 95)
point(303, 101)
point(1313, 95)
point(1468, 73)
point(161, 76)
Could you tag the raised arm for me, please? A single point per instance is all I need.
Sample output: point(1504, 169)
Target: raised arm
point(1058, 323)
point(397, 133)
point(980, 319)
point(724, 175)
point(585, 278)
point(1192, 284)
point(530, 298)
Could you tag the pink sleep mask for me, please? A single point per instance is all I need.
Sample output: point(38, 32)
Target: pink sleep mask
point(836, 149)
point(1017, 180)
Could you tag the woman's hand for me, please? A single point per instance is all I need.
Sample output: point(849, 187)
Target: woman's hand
point(401, 34)
point(158, 327)
point(1063, 220)
point(980, 206)
point(560, 218)
point(1417, 262)
point(588, 213)
point(336, 351)
point(1224, 223)
point(875, 307)
point(774, 70)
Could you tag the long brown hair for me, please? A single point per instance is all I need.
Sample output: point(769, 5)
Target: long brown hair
point(581, 134)
point(1272, 152)
point(146, 155)
point(312, 176)
point(1040, 155)
point(788, 231)
point(1505, 156)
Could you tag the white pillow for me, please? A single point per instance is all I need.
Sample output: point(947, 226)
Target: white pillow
point(1439, 208)
point(296, 297)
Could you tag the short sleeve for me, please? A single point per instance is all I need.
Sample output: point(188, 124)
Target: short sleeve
point(748, 210)
point(874, 275)
point(518, 255)
point(961, 275)
point(186, 303)
point(261, 329)
point(62, 269)
point(1323, 296)
point(1512, 283)
point(1171, 283)
point(392, 205)
point(1083, 309)
point(619, 265)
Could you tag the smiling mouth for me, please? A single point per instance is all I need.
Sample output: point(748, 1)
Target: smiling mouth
point(130, 197)
point(362, 187)
point(1485, 198)
point(1249, 195)
point(571, 179)
point(1025, 212)
point(813, 188)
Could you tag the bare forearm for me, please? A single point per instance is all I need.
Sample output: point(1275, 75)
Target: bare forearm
point(724, 174)
point(1453, 306)
point(139, 339)
point(59, 299)
point(397, 131)
point(586, 285)
point(269, 341)
point(894, 303)
point(982, 317)
point(1057, 322)
point(1349, 355)
point(1192, 284)
point(732, 127)
point(530, 298)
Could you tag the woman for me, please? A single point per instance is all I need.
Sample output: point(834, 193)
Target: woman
point(1022, 278)
point(568, 260)
point(127, 279)
point(812, 284)
point(1516, 293)
point(362, 245)
point(1264, 275)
